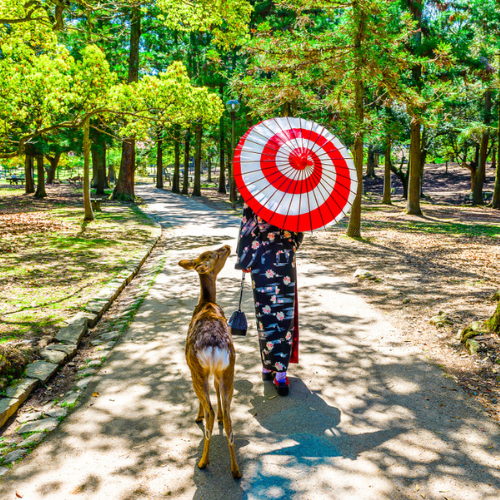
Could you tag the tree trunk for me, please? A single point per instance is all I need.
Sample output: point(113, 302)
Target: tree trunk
point(370, 164)
point(98, 152)
point(177, 166)
point(111, 174)
point(496, 191)
point(124, 189)
point(209, 169)
point(477, 193)
point(493, 324)
point(198, 131)
point(494, 159)
point(402, 176)
point(386, 199)
point(89, 214)
point(185, 183)
point(54, 161)
point(404, 181)
point(423, 158)
point(479, 173)
point(29, 186)
point(472, 167)
point(40, 185)
point(159, 164)
point(354, 227)
point(413, 205)
point(222, 140)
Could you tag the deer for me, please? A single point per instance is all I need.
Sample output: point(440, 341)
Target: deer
point(210, 352)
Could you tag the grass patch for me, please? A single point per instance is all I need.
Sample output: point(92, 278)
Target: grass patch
point(69, 406)
point(429, 227)
point(53, 264)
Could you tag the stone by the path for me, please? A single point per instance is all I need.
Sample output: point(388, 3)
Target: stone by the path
point(69, 349)
point(73, 397)
point(22, 390)
point(72, 334)
point(14, 455)
point(110, 335)
point(9, 441)
point(83, 383)
point(94, 362)
point(53, 356)
point(363, 274)
point(41, 370)
point(97, 306)
point(4, 470)
point(86, 371)
point(472, 346)
point(29, 417)
point(96, 342)
point(47, 424)
point(57, 412)
point(8, 406)
point(440, 320)
point(80, 317)
point(33, 439)
point(110, 292)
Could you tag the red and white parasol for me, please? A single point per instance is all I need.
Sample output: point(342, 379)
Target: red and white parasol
point(295, 174)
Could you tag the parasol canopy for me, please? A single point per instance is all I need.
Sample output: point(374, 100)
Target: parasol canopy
point(295, 174)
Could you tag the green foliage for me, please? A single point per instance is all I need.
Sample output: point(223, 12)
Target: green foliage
point(226, 19)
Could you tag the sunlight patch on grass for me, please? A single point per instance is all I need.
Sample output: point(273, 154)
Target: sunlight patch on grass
point(48, 276)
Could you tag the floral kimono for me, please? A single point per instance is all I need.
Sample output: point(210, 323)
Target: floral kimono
point(268, 252)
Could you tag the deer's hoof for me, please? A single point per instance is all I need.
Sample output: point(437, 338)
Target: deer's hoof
point(220, 420)
point(236, 474)
point(203, 464)
point(199, 419)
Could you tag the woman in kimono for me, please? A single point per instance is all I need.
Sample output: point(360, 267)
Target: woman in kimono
point(268, 253)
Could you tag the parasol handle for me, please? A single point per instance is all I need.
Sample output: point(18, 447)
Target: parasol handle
point(241, 291)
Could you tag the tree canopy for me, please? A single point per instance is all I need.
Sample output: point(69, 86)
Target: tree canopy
point(417, 76)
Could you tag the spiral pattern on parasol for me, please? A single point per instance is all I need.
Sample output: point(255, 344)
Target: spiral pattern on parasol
point(295, 174)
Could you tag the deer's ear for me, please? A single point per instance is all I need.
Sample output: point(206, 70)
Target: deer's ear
point(186, 264)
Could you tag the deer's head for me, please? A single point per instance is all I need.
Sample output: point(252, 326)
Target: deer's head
point(208, 262)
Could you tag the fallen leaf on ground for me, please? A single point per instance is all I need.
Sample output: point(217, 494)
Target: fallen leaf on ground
point(95, 394)
point(18, 495)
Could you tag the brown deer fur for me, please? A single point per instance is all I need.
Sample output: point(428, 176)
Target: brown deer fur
point(210, 351)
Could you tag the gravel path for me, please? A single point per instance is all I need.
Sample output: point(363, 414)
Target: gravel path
point(367, 418)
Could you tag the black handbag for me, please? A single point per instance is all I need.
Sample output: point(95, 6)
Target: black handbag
point(238, 320)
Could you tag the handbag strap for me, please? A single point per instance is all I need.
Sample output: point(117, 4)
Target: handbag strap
point(241, 291)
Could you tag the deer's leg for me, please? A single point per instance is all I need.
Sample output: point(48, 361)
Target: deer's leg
point(199, 417)
point(219, 405)
point(200, 385)
point(226, 389)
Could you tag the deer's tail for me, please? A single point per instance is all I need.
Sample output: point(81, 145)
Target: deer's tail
point(213, 359)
